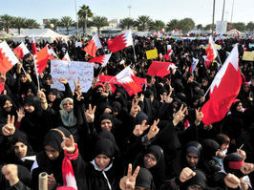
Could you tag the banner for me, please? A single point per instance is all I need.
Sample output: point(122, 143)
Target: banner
point(221, 27)
point(152, 54)
point(248, 56)
point(72, 71)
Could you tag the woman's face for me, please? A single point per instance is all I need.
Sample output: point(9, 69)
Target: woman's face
point(51, 152)
point(29, 108)
point(7, 106)
point(106, 124)
point(20, 149)
point(68, 106)
point(149, 160)
point(102, 161)
point(51, 97)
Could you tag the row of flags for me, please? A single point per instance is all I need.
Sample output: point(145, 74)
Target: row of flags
point(223, 89)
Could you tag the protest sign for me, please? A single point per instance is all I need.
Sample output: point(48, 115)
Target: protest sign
point(72, 71)
point(248, 56)
point(152, 54)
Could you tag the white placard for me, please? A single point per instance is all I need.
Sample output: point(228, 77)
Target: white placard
point(72, 71)
point(221, 27)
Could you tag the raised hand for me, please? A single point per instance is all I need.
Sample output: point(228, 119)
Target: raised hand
point(78, 91)
point(63, 80)
point(186, 174)
point(140, 128)
point(20, 114)
point(90, 114)
point(42, 96)
point(199, 116)
point(231, 181)
point(154, 129)
point(179, 115)
point(10, 172)
point(129, 182)
point(68, 144)
point(9, 128)
point(247, 168)
point(135, 108)
point(168, 98)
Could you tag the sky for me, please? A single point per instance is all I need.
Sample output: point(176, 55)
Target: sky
point(199, 10)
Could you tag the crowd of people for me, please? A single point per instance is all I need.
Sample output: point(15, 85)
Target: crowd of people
point(104, 140)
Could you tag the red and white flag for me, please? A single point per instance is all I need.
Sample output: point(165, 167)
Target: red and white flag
point(41, 59)
point(127, 79)
point(21, 50)
point(34, 48)
point(131, 83)
point(66, 57)
point(223, 90)
point(120, 42)
point(211, 52)
point(7, 58)
point(93, 45)
point(1, 86)
point(160, 69)
point(102, 59)
point(52, 53)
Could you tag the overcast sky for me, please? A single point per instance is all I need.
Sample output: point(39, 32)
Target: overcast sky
point(199, 10)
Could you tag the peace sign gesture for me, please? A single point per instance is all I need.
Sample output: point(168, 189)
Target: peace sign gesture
point(129, 182)
point(199, 116)
point(179, 115)
point(90, 114)
point(9, 128)
point(140, 128)
point(135, 108)
point(68, 144)
point(168, 98)
point(154, 129)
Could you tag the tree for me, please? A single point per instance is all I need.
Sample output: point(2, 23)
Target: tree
point(239, 26)
point(52, 23)
point(31, 23)
point(126, 23)
point(143, 22)
point(250, 26)
point(100, 22)
point(209, 27)
point(19, 23)
point(7, 21)
point(66, 21)
point(186, 24)
point(200, 27)
point(84, 13)
point(173, 24)
point(157, 25)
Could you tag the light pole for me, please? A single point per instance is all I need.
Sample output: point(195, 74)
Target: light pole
point(213, 16)
point(232, 11)
point(129, 7)
point(86, 22)
point(223, 10)
point(76, 14)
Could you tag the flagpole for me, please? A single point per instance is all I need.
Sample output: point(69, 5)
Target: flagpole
point(37, 76)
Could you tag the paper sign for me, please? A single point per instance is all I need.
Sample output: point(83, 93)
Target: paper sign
point(72, 71)
point(248, 56)
point(152, 54)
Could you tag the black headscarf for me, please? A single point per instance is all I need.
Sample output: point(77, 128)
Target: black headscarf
point(145, 179)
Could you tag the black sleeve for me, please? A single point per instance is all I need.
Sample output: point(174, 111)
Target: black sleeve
point(19, 186)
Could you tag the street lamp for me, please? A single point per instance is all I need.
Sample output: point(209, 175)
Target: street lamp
point(76, 14)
